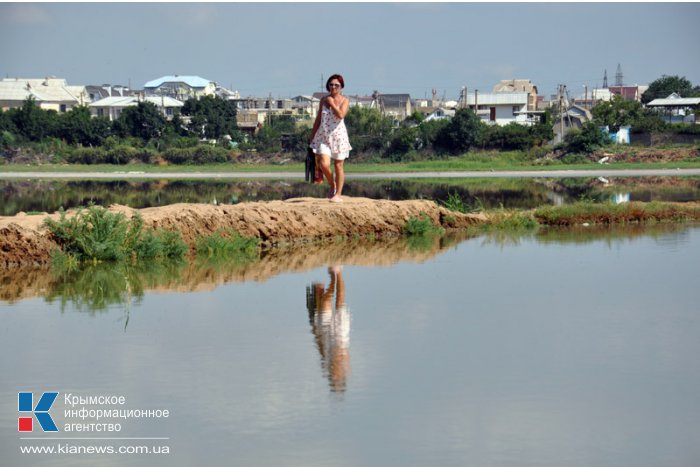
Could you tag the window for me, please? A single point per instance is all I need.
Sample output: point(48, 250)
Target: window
point(100, 112)
point(169, 111)
point(516, 109)
point(62, 108)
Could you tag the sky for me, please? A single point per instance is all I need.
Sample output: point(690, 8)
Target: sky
point(288, 49)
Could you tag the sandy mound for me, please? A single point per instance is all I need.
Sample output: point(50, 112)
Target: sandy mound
point(24, 241)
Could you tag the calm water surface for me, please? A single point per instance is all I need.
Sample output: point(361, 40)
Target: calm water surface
point(49, 195)
point(546, 350)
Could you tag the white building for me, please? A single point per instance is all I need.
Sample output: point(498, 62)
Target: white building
point(501, 108)
point(180, 87)
point(48, 93)
point(112, 107)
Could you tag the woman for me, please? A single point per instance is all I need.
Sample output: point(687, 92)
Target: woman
point(329, 137)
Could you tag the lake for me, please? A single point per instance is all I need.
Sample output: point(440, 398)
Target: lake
point(38, 195)
point(564, 347)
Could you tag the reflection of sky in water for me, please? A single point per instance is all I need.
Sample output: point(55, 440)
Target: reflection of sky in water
point(529, 354)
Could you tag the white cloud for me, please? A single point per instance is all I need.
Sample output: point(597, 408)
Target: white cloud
point(23, 14)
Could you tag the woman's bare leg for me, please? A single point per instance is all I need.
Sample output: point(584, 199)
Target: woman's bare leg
point(339, 177)
point(326, 169)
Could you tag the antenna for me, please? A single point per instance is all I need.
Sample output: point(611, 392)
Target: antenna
point(605, 80)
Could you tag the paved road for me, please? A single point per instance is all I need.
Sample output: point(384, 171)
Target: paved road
point(377, 175)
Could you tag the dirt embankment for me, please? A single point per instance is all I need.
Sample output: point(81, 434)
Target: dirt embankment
point(24, 240)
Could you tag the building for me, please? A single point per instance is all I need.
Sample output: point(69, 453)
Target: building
point(440, 114)
point(48, 93)
point(112, 107)
point(677, 109)
point(630, 93)
point(519, 85)
point(306, 105)
point(180, 87)
point(502, 108)
point(395, 105)
point(95, 92)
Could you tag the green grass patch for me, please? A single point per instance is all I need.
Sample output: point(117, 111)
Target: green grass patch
point(421, 226)
point(608, 213)
point(96, 234)
point(227, 244)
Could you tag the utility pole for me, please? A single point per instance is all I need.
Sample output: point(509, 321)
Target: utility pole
point(476, 102)
point(561, 113)
point(466, 103)
point(586, 101)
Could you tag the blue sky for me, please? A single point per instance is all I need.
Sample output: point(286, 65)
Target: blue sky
point(286, 48)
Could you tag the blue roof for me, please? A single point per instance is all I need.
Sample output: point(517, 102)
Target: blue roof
point(192, 81)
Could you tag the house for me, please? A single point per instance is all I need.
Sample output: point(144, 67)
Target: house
point(440, 114)
point(112, 107)
point(502, 108)
point(95, 92)
point(48, 93)
point(519, 85)
point(677, 109)
point(180, 87)
point(573, 118)
point(629, 93)
point(395, 105)
point(276, 105)
point(306, 104)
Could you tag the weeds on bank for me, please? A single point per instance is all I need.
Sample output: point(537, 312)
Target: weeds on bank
point(582, 213)
point(96, 234)
point(227, 244)
point(422, 233)
point(454, 202)
point(421, 226)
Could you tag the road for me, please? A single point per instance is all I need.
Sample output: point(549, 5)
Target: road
point(375, 175)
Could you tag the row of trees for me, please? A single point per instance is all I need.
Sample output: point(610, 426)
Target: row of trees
point(209, 117)
point(373, 133)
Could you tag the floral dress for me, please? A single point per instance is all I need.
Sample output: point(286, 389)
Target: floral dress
point(331, 133)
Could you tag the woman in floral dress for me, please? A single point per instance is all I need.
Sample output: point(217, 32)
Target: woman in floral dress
point(329, 137)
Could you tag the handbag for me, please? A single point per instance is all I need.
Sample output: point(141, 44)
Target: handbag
point(310, 165)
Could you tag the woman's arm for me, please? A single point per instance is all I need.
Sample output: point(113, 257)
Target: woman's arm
point(339, 110)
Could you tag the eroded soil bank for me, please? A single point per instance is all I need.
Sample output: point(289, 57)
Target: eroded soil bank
point(25, 241)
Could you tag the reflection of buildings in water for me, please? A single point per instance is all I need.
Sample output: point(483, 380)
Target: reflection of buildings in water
point(555, 198)
point(330, 325)
point(619, 198)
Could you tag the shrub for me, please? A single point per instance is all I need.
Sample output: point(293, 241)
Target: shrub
point(95, 234)
point(587, 140)
point(196, 155)
point(87, 156)
point(454, 203)
point(227, 244)
point(420, 226)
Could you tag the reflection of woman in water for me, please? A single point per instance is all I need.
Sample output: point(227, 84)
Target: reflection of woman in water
point(331, 327)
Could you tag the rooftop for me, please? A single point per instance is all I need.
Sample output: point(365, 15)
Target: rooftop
point(192, 81)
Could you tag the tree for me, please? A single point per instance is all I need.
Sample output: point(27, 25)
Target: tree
point(667, 85)
point(211, 116)
point(368, 129)
point(78, 127)
point(621, 112)
point(32, 122)
point(143, 120)
point(461, 133)
point(587, 140)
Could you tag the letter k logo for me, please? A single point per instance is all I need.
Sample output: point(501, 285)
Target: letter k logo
point(25, 402)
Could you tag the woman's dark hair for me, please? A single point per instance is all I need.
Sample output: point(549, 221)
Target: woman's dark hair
point(339, 78)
